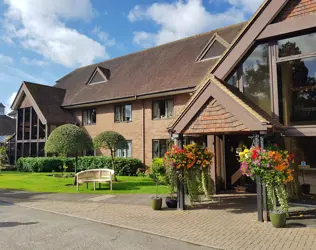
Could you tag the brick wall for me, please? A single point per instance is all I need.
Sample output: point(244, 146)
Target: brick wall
point(154, 129)
point(297, 8)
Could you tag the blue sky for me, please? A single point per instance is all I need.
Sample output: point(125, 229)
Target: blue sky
point(40, 41)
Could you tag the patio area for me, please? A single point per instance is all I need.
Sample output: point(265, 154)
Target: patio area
point(228, 222)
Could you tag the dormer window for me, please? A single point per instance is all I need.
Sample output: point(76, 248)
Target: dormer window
point(215, 47)
point(99, 75)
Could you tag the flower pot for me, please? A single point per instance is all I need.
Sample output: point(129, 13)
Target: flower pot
point(278, 219)
point(156, 203)
point(171, 202)
point(306, 188)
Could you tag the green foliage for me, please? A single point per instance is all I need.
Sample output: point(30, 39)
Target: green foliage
point(3, 156)
point(67, 139)
point(124, 166)
point(44, 164)
point(110, 140)
point(158, 170)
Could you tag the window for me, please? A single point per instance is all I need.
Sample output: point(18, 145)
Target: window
point(162, 109)
point(89, 117)
point(123, 113)
point(233, 80)
point(298, 45)
point(215, 51)
point(160, 147)
point(256, 77)
point(125, 152)
point(297, 91)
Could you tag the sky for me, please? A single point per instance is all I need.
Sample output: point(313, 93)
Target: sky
point(43, 40)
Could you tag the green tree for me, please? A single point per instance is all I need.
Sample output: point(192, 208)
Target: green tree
point(68, 139)
point(3, 156)
point(112, 141)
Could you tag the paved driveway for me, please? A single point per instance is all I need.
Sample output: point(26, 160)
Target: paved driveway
point(26, 228)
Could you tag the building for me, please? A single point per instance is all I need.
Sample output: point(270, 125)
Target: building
point(137, 95)
point(7, 131)
point(224, 88)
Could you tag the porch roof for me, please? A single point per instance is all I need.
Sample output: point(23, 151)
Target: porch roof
point(217, 107)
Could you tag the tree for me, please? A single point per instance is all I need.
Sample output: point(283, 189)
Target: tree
point(3, 156)
point(112, 141)
point(68, 139)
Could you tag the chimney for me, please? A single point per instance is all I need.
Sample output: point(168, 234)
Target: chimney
point(2, 107)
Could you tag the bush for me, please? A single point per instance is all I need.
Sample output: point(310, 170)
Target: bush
point(124, 166)
point(158, 170)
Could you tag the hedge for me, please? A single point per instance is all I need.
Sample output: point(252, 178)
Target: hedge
point(124, 166)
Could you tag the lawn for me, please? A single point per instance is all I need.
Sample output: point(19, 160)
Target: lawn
point(45, 182)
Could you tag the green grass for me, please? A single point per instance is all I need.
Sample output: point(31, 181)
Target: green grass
point(45, 182)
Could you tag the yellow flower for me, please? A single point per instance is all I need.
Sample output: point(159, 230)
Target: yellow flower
point(246, 150)
point(241, 154)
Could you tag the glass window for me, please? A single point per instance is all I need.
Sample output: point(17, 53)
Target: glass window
point(297, 91)
point(233, 80)
point(256, 77)
point(20, 123)
point(125, 152)
point(123, 113)
point(27, 123)
point(162, 109)
point(160, 147)
point(89, 117)
point(34, 124)
point(304, 44)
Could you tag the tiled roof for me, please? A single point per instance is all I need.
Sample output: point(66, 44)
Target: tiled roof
point(167, 67)
point(7, 125)
point(213, 118)
point(49, 100)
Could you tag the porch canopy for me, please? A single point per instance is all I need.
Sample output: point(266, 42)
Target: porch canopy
point(217, 108)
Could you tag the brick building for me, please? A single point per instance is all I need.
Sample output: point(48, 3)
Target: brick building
point(249, 83)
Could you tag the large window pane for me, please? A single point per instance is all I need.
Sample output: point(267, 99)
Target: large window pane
point(160, 147)
point(125, 152)
point(20, 123)
point(34, 124)
point(162, 109)
point(123, 113)
point(89, 117)
point(233, 80)
point(297, 91)
point(304, 44)
point(27, 123)
point(256, 77)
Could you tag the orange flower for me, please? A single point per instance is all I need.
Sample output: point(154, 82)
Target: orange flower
point(281, 167)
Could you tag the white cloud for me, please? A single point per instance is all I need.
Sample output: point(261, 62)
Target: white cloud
point(103, 36)
point(9, 102)
point(33, 61)
point(249, 6)
point(180, 19)
point(40, 26)
point(5, 59)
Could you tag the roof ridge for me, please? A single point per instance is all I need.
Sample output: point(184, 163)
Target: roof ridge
point(154, 47)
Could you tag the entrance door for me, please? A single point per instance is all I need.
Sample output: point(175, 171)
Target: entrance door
point(233, 142)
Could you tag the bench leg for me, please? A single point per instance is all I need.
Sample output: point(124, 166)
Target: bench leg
point(111, 185)
point(77, 186)
point(87, 185)
point(94, 185)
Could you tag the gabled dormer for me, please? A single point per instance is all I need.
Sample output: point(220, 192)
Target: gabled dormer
point(214, 48)
point(99, 75)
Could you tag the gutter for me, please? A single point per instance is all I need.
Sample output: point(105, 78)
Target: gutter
point(132, 98)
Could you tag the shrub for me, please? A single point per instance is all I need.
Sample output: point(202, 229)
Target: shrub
point(158, 170)
point(124, 166)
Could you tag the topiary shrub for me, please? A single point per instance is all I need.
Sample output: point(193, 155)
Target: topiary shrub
point(112, 141)
point(158, 170)
point(124, 166)
point(68, 139)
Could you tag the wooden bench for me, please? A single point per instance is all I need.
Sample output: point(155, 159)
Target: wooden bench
point(94, 176)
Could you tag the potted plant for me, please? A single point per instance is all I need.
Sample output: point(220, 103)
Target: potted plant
point(273, 167)
point(156, 202)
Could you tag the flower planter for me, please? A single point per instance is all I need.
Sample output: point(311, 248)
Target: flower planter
point(171, 202)
point(278, 219)
point(156, 203)
point(306, 188)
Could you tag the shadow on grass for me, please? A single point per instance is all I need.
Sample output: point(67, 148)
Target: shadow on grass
point(120, 185)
